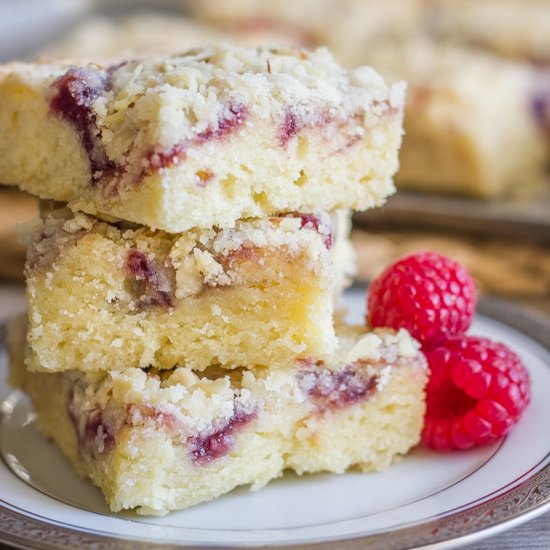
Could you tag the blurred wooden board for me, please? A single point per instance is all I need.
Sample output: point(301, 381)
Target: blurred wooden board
point(516, 269)
point(16, 207)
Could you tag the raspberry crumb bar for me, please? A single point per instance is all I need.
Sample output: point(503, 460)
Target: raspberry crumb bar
point(202, 139)
point(111, 296)
point(164, 440)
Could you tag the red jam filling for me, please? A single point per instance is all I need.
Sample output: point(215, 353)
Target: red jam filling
point(76, 92)
point(152, 284)
point(334, 390)
point(206, 448)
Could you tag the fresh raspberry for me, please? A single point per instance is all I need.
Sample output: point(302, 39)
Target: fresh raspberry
point(430, 295)
point(477, 391)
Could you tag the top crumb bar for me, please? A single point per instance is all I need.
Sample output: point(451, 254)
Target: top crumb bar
point(201, 139)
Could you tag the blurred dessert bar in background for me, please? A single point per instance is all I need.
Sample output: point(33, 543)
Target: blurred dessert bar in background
point(147, 33)
point(512, 28)
point(346, 27)
point(471, 126)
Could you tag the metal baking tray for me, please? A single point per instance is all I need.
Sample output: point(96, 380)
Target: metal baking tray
point(526, 218)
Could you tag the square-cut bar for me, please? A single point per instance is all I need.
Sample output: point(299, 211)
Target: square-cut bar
point(157, 441)
point(202, 139)
point(111, 296)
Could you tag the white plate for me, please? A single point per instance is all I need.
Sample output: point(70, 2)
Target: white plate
point(427, 500)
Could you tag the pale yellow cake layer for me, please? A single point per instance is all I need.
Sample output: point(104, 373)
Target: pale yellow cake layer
point(471, 125)
point(102, 296)
point(204, 139)
point(162, 441)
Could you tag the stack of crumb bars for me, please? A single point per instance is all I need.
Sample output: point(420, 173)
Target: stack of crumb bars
point(181, 280)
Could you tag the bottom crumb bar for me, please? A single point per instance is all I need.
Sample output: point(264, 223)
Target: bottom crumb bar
point(157, 441)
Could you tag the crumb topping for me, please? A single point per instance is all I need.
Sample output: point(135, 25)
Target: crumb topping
point(205, 411)
point(163, 267)
point(146, 114)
